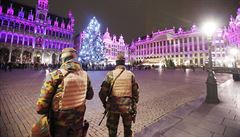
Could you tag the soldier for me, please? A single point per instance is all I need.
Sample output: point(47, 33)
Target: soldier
point(119, 95)
point(64, 94)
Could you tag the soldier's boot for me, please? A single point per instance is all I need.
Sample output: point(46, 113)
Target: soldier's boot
point(112, 124)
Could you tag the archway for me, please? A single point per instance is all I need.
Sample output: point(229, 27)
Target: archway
point(27, 57)
point(37, 57)
point(4, 55)
point(16, 56)
point(54, 57)
point(47, 58)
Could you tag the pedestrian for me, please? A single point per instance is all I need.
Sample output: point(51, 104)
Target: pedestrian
point(119, 95)
point(62, 100)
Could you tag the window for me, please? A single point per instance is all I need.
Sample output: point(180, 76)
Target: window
point(27, 28)
point(15, 40)
point(185, 48)
point(5, 23)
point(26, 41)
point(30, 41)
point(3, 36)
point(9, 37)
point(185, 40)
point(11, 24)
point(21, 26)
point(16, 25)
point(20, 41)
point(195, 39)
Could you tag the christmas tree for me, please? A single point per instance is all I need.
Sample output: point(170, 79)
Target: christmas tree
point(92, 47)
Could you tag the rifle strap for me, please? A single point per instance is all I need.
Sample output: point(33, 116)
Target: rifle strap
point(111, 87)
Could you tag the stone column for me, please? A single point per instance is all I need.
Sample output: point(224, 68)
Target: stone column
point(33, 56)
point(51, 55)
point(58, 58)
point(21, 56)
point(10, 55)
point(42, 58)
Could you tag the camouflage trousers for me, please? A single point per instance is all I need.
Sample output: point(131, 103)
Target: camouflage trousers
point(70, 131)
point(41, 129)
point(67, 124)
point(113, 120)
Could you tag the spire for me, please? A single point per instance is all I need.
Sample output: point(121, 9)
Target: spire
point(70, 14)
point(56, 22)
point(107, 35)
point(10, 10)
point(49, 20)
point(0, 9)
point(21, 13)
point(30, 16)
point(63, 24)
point(121, 40)
point(180, 30)
point(194, 28)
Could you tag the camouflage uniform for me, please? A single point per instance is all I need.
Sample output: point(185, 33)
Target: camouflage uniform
point(118, 106)
point(67, 123)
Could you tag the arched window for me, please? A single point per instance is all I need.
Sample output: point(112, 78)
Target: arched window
point(31, 29)
point(16, 25)
point(11, 24)
point(41, 16)
point(30, 41)
point(15, 39)
point(3, 36)
point(20, 41)
point(5, 23)
point(9, 38)
point(21, 26)
point(27, 28)
point(25, 41)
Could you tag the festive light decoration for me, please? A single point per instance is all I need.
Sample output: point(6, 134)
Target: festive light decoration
point(92, 47)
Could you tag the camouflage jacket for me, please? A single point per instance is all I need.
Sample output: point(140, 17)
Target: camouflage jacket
point(118, 104)
point(52, 83)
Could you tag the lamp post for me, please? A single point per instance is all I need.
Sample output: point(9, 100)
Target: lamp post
point(212, 92)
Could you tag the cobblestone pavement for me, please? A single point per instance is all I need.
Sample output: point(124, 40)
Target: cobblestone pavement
point(199, 119)
point(161, 92)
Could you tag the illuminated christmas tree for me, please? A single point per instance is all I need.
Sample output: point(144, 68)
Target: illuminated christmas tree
point(92, 46)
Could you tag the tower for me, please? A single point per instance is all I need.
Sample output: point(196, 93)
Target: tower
point(42, 11)
point(41, 23)
point(72, 20)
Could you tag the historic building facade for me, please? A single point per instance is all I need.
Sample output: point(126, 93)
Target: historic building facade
point(113, 47)
point(33, 35)
point(182, 47)
point(232, 32)
point(188, 47)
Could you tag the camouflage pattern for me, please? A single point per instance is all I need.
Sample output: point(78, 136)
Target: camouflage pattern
point(113, 120)
point(118, 106)
point(67, 119)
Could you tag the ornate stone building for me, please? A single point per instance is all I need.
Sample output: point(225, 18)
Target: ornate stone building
point(232, 32)
point(113, 47)
point(183, 47)
point(33, 35)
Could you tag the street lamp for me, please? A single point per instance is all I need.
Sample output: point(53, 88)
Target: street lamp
point(209, 29)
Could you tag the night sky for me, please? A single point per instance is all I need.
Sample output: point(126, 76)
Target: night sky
point(134, 18)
